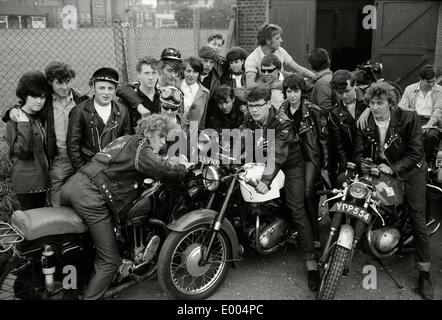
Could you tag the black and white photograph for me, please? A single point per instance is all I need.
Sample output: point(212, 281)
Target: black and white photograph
point(220, 158)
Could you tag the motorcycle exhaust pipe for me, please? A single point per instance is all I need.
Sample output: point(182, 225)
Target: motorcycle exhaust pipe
point(48, 266)
point(115, 290)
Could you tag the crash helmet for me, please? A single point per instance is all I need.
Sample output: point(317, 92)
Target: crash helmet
point(170, 53)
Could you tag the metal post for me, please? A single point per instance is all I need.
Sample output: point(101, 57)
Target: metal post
point(196, 28)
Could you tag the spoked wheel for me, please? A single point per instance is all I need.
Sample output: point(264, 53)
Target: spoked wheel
point(433, 208)
point(334, 269)
point(179, 270)
point(20, 281)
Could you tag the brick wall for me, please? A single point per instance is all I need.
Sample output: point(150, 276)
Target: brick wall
point(251, 14)
point(438, 53)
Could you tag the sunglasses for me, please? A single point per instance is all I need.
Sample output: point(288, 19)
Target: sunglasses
point(166, 107)
point(167, 93)
point(268, 70)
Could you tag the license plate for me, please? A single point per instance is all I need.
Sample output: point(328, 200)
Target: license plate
point(352, 210)
point(439, 163)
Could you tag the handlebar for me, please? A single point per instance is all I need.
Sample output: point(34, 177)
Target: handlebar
point(328, 192)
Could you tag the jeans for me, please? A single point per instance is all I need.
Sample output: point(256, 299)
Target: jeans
point(59, 173)
point(312, 176)
point(83, 196)
point(414, 182)
point(294, 188)
point(32, 200)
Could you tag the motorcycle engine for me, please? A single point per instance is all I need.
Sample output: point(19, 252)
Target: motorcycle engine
point(385, 239)
point(273, 232)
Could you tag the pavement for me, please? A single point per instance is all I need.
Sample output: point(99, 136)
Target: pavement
point(282, 276)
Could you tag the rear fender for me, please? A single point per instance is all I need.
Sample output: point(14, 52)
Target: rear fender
point(206, 216)
point(346, 235)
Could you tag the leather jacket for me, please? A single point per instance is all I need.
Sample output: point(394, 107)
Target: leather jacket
point(287, 149)
point(403, 145)
point(131, 96)
point(119, 169)
point(47, 115)
point(342, 127)
point(312, 133)
point(87, 134)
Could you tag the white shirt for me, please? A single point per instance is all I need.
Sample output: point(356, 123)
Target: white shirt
point(237, 79)
point(103, 111)
point(189, 95)
point(253, 61)
point(351, 108)
point(383, 127)
point(277, 96)
point(424, 105)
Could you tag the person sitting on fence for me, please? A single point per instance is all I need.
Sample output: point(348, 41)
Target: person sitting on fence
point(269, 40)
point(196, 96)
point(216, 41)
point(209, 78)
point(142, 97)
point(27, 142)
point(235, 76)
point(55, 114)
point(97, 121)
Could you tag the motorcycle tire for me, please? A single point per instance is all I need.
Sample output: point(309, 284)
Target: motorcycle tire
point(179, 273)
point(333, 274)
point(20, 280)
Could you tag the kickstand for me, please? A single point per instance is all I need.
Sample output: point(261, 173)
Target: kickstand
point(388, 273)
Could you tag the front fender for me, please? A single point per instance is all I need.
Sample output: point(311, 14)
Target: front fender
point(346, 236)
point(206, 216)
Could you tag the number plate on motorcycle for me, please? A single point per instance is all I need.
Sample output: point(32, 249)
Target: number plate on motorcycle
point(439, 163)
point(353, 210)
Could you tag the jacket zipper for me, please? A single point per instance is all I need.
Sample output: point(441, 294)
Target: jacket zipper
point(104, 131)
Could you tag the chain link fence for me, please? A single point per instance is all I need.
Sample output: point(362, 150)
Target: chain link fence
point(85, 49)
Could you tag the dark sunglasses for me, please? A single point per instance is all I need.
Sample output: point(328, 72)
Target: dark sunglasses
point(268, 70)
point(169, 107)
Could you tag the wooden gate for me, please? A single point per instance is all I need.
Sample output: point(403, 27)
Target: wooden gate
point(297, 18)
point(405, 38)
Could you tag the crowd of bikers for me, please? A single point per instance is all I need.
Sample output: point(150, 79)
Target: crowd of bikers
point(61, 142)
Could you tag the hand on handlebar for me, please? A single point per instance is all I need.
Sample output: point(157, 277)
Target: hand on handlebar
point(385, 169)
point(262, 188)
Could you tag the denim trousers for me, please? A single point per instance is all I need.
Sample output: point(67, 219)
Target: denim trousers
point(312, 176)
point(59, 173)
point(81, 194)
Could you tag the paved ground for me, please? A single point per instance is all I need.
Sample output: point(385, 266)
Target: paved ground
point(282, 276)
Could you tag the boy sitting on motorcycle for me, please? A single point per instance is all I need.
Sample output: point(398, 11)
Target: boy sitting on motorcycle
point(287, 156)
point(103, 190)
point(393, 140)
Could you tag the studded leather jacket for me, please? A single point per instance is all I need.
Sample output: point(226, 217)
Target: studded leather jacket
point(119, 169)
point(286, 149)
point(312, 133)
point(403, 147)
point(87, 134)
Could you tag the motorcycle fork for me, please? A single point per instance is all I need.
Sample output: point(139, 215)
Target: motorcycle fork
point(216, 227)
point(335, 223)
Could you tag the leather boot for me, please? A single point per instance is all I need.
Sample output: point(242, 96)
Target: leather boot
point(313, 280)
point(425, 286)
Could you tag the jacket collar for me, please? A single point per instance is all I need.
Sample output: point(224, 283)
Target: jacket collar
point(89, 107)
point(392, 128)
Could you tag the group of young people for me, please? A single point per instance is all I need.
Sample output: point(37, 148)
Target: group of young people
point(92, 153)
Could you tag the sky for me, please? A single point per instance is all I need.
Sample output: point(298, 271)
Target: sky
point(154, 2)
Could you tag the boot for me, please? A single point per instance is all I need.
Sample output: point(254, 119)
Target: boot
point(425, 286)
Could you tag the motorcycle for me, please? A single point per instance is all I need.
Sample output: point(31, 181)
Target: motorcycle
point(196, 256)
point(366, 73)
point(370, 208)
point(47, 253)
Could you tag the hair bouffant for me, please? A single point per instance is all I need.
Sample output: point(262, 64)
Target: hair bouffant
point(156, 122)
point(60, 71)
point(379, 89)
point(293, 82)
point(32, 84)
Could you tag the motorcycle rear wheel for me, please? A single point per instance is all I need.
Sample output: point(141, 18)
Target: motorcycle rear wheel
point(333, 273)
point(179, 273)
point(18, 280)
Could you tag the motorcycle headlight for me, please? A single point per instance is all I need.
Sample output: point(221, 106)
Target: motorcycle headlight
point(211, 178)
point(358, 190)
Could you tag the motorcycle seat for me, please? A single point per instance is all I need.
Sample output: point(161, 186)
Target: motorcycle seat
point(41, 222)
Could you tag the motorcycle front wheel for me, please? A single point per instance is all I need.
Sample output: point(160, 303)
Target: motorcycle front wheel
point(179, 270)
point(333, 273)
point(19, 280)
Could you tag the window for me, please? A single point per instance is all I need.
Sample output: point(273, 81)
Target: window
point(3, 22)
point(38, 22)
